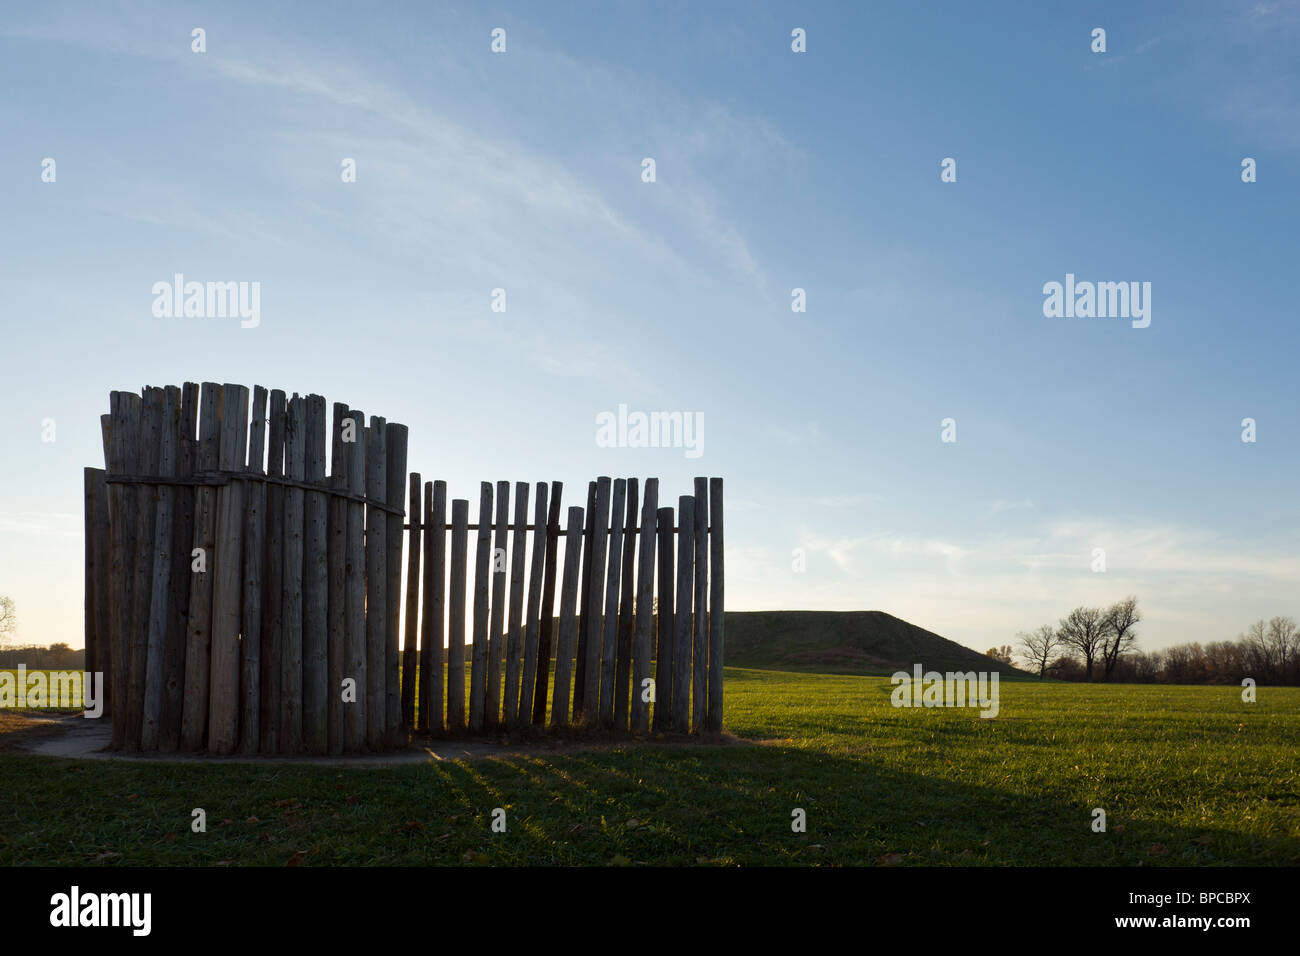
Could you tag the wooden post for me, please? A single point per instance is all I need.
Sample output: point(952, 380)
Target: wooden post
point(544, 639)
point(145, 549)
point(515, 625)
point(681, 711)
point(717, 606)
point(315, 586)
point(104, 599)
point(593, 611)
point(482, 571)
point(125, 432)
point(272, 664)
point(250, 733)
point(337, 577)
point(179, 598)
point(645, 588)
point(96, 558)
point(198, 633)
point(666, 625)
point(584, 591)
point(700, 642)
point(410, 664)
point(609, 633)
point(435, 592)
point(100, 583)
point(376, 582)
point(533, 610)
point(456, 617)
point(626, 610)
point(295, 469)
point(497, 638)
point(160, 610)
point(568, 607)
point(395, 439)
point(354, 707)
point(223, 704)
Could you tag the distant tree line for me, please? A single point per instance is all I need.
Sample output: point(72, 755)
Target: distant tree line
point(1101, 643)
point(55, 657)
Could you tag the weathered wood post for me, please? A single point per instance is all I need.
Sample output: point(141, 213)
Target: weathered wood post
point(250, 733)
point(700, 639)
point(681, 712)
point(142, 591)
point(395, 439)
point(179, 600)
point(376, 582)
point(160, 610)
point(482, 570)
point(593, 612)
point(291, 653)
point(497, 636)
point(273, 598)
point(645, 585)
point(410, 661)
point(198, 632)
point(609, 630)
point(545, 637)
point(564, 650)
point(227, 585)
point(717, 605)
point(626, 610)
point(354, 457)
point(515, 625)
point(337, 578)
point(435, 594)
point(456, 617)
point(584, 592)
point(666, 625)
point(533, 610)
point(315, 586)
point(123, 500)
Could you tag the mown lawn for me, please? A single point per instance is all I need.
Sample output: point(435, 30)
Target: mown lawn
point(1186, 775)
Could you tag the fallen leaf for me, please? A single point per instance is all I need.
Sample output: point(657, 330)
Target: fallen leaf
point(889, 859)
point(411, 825)
point(295, 860)
point(1158, 849)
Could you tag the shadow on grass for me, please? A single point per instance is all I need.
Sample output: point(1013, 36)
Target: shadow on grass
point(623, 806)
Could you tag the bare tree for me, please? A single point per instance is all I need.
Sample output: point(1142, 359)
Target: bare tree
point(1258, 654)
point(1040, 647)
point(1121, 619)
point(1282, 640)
point(1084, 631)
point(8, 617)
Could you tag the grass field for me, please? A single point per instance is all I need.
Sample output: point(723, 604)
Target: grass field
point(1186, 775)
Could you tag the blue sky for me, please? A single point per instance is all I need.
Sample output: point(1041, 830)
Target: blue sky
point(775, 170)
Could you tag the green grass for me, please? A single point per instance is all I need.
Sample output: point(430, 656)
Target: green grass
point(1187, 776)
